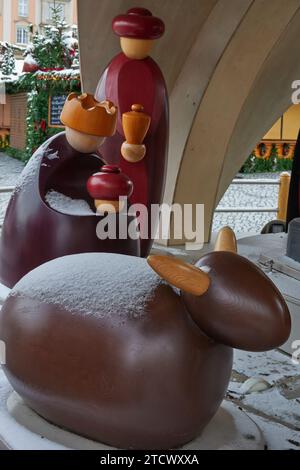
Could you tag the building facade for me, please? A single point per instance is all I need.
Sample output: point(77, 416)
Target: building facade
point(20, 18)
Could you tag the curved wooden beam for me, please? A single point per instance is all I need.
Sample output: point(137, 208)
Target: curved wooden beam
point(209, 161)
point(194, 79)
point(268, 99)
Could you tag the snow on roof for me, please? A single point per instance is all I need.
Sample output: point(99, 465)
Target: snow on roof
point(59, 74)
point(29, 59)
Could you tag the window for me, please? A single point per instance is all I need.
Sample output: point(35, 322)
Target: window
point(23, 8)
point(22, 35)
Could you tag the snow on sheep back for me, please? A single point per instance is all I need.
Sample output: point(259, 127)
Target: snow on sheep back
point(93, 284)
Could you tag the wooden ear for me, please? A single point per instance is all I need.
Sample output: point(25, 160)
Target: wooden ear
point(226, 240)
point(179, 274)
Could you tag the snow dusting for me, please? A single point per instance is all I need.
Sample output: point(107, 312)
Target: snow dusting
point(52, 155)
point(67, 205)
point(282, 400)
point(31, 169)
point(30, 60)
point(277, 436)
point(272, 365)
point(99, 284)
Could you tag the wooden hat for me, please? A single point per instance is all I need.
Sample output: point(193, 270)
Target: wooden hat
point(85, 114)
point(138, 23)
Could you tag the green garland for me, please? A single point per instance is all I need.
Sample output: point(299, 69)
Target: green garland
point(39, 86)
point(266, 165)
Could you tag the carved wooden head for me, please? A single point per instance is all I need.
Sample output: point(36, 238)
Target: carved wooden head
point(228, 297)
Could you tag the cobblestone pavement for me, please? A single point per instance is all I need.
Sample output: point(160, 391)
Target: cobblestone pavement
point(248, 196)
point(10, 169)
point(235, 196)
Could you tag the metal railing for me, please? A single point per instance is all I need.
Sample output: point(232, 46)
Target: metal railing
point(6, 189)
point(246, 209)
point(253, 181)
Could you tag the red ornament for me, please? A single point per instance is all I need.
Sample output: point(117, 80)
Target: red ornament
point(29, 67)
point(138, 23)
point(109, 184)
point(43, 125)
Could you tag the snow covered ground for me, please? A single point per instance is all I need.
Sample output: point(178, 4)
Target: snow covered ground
point(10, 169)
point(277, 409)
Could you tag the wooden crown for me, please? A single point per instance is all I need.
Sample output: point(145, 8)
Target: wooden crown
point(85, 114)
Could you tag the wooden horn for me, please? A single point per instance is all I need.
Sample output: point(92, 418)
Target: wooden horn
point(226, 240)
point(183, 275)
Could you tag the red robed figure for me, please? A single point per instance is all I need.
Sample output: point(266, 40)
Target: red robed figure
point(133, 77)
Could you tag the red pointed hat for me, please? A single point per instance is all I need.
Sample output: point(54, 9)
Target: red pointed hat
point(138, 23)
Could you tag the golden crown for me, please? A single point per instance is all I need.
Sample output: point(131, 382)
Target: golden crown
point(85, 114)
